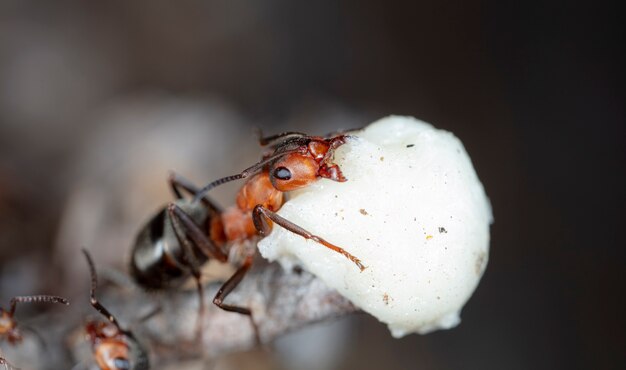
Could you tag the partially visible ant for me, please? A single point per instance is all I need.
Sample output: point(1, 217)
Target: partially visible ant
point(114, 348)
point(9, 330)
point(179, 239)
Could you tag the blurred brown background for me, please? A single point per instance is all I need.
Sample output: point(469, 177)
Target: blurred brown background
point(99, 99)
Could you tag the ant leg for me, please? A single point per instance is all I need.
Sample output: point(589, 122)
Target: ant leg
point(229, 286)
point(174, 181)
point(92, 294)
point(201, 308)
point(177, 182)
point(260, 216)
point(186, 230)
point(264, 141)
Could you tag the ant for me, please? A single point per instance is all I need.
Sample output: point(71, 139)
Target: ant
point(179, 239)
point(8, 324)
point(114, 348)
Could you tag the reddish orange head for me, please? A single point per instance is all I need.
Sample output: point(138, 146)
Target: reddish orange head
point(299, 169)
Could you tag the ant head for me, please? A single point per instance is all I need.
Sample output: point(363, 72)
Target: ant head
point(115, 349)
point(110, 348)
point(293, 171)
point(296, 170)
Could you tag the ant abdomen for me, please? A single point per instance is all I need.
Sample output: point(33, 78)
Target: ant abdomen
point(159, 259)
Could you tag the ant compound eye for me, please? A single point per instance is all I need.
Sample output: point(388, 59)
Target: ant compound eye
point(121, 363)
point(282, 173)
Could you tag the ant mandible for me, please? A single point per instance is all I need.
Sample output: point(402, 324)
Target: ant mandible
point(114, 348)
point(9, 330)
point(177, 241)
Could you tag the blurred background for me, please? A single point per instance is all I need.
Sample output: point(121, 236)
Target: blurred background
point(98, 100)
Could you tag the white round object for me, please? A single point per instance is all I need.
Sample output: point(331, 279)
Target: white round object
point(412, 210)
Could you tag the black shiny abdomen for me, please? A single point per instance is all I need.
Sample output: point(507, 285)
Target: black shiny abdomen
point(157, 260)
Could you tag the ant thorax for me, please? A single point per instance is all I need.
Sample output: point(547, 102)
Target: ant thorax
point(259, 190)
point(237, 220)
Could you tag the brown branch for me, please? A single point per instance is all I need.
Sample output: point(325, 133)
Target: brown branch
point(281, 301)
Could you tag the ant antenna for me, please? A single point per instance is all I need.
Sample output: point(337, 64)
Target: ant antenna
point(92, 294)
point(245, 173)
point(35, 299)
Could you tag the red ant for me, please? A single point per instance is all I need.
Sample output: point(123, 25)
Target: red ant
point(186, 234)
point(114, 348)
point(8, 324)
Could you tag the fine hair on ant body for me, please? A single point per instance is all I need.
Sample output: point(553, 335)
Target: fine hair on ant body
point(9, 330)
point(177, 241)
point(114, 348)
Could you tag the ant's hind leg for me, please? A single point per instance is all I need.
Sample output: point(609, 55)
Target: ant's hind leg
point(260, 215)
point(178, 183)
point(201, 309)
point(187, 230)
point(229, 286)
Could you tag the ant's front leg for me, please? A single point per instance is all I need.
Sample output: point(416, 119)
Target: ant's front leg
point(229, 286)
point(260, 216)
